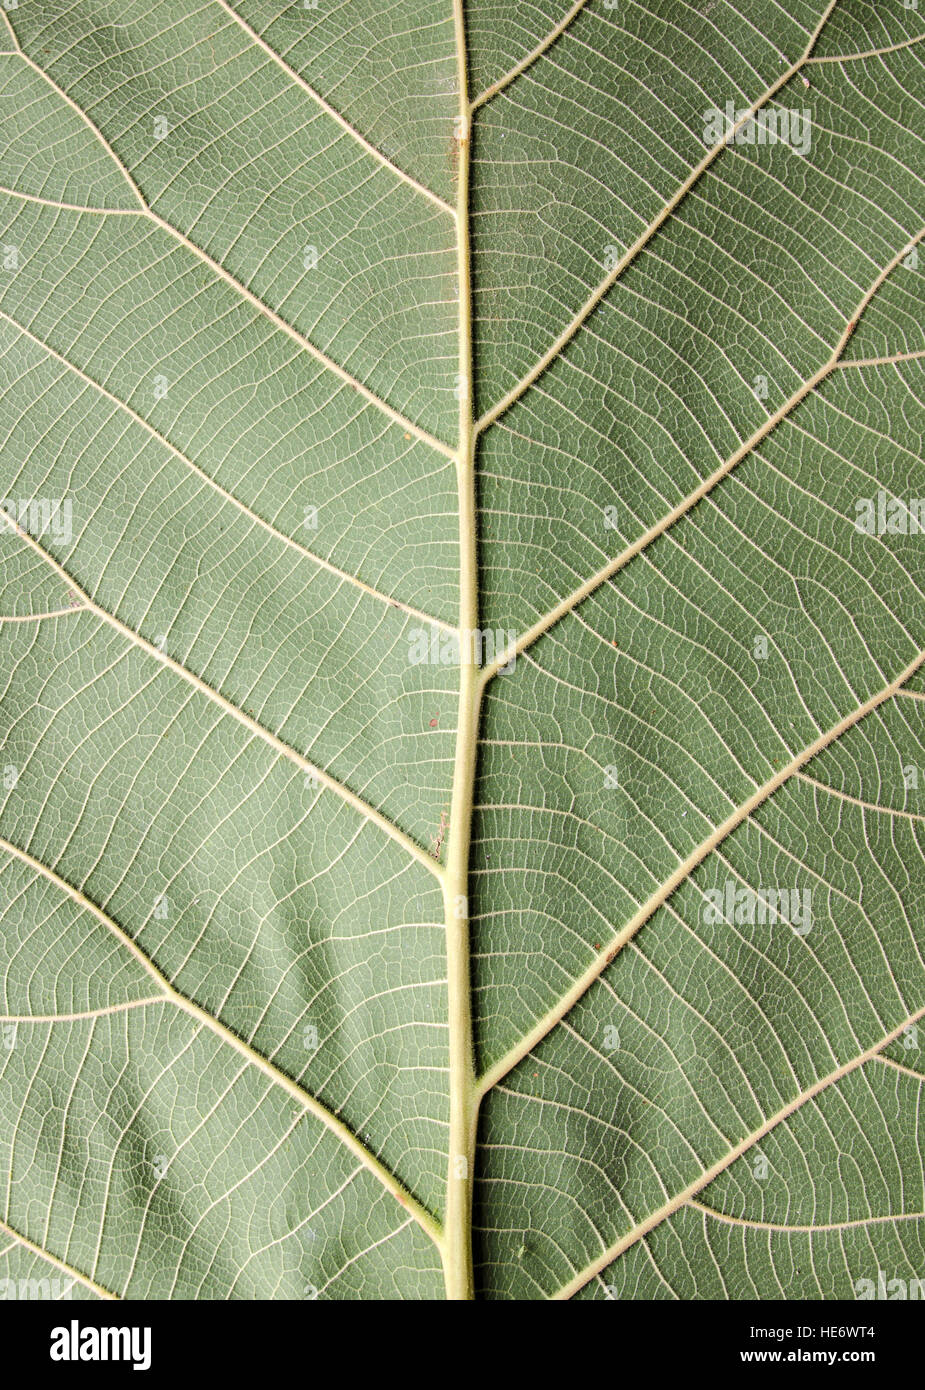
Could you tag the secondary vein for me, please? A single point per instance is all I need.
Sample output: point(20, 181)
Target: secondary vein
point(683, 871)
point(367, 811)
point(170, 994)
point(645, 237)
point(222, 492)
point(145, 208)
point(553, 615)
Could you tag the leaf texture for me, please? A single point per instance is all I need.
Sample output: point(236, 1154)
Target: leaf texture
point(330, 333)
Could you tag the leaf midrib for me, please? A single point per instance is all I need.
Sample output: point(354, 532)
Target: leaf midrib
point(560, 610)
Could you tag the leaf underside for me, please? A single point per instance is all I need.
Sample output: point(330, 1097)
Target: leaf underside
point(233, 309)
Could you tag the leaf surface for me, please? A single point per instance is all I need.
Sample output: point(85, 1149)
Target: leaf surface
point(327, 334)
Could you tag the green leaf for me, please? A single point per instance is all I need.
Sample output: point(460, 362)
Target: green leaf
point(342, 955)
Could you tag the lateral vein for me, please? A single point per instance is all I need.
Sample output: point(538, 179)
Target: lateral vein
point(336, 115)
point(916, 1076)
point(277, 744)
point(607, 571)
point(644, 238)
point(683, 871)
point(683, 1198)
point(222, 492)
point(868, 52)
point(880, 361)
point(82, 1014)
point(171, 995)
point(529, 60)
point(38, 617)
point(254, 300)
point(57, 1262)
point(807, 1230)
point(70, 207)
point(856, 801)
